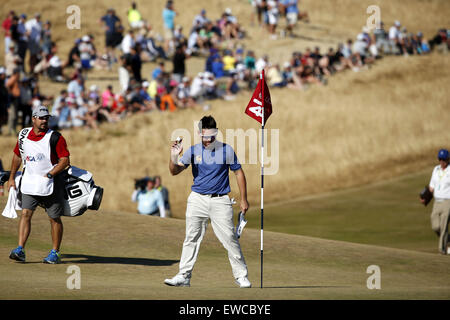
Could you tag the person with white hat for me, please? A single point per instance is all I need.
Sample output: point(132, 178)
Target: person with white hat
point(44, 155)
point(211, 161)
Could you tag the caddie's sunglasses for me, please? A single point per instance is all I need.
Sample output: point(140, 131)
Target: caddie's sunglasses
point(43, 118)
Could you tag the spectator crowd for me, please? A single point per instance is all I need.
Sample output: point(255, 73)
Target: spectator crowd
point(229, 66)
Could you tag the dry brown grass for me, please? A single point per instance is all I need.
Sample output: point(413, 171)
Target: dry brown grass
point(364, 126)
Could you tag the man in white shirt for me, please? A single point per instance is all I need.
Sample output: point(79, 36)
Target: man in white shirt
point(440, 187)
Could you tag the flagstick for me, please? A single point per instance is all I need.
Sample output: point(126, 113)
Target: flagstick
point(262, 173)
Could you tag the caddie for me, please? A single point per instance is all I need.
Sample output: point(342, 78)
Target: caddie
point(44, 155)
point(211, 161)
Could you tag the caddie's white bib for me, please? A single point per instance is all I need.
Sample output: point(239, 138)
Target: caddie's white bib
point(37, 163)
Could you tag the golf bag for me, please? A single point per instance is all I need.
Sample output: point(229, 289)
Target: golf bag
point(80, 191)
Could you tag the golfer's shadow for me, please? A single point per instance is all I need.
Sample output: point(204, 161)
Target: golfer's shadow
point(83, 258)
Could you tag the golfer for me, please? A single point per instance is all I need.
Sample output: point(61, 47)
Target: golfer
point(209, 199)
point(43, 157)
point(440, 187)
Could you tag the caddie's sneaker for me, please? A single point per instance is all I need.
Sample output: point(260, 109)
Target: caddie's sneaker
point(243, 282)
point(178, 281)
point(54, 257)
point(17, 254)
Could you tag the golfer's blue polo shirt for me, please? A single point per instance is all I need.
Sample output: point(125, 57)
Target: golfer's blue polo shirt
point(210, 167)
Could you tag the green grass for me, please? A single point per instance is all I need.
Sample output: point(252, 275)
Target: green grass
point(387, 214)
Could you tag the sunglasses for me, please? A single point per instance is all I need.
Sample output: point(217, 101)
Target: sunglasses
point(43, 118)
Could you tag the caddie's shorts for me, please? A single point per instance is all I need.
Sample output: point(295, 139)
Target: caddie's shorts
point(53, 204)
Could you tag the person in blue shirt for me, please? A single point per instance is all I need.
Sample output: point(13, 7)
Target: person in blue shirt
point(150, 200)
point(211, 161)
point(168, 16)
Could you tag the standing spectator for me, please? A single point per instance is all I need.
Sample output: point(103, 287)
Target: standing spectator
point(136, 62)
point(34, 31)
point(272, 14)
point(440, 187)
point(111, 24)
point(179, 63)
point(22, 45)
point(4, 99)
point(25, 105)
point(124, 75)
point(394, 38)
point(165, 194)
point(128, 42)
point(168, 15)
point(6, 27)
point(290, 9)
point(13, 87)
point(47, 37)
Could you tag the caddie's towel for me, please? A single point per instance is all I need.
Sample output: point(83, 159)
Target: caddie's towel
point(11, 205)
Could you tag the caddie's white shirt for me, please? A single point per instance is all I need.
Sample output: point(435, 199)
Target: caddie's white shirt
point(440, 182)
point(36, 157)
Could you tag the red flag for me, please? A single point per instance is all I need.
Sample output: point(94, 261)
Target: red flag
point(255, 106)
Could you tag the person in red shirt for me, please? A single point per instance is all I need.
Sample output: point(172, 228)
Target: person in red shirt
point(6, 26)
point(40, 184)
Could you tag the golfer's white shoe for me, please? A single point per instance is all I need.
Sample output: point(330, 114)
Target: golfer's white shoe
point(178, 281)
point(243, 282)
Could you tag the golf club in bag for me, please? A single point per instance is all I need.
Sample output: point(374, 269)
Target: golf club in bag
point(80, 191)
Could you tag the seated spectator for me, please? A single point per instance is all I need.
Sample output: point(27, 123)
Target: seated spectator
point(200, 20)
point(217, 67)
point(275, 77)
point(77, 115)
point(87, 53)
point(134, 17)
point(74, 59)
point(167, 101)
point(150, 200)
point(183, 99)
point(76, 86)
point(64, 121)
point(12, 60)
point(229, 62)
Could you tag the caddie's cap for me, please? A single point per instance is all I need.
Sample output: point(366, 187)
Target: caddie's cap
point(41, 111)
point(443, 154)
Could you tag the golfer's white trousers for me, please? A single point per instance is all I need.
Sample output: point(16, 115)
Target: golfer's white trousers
point(219, 210)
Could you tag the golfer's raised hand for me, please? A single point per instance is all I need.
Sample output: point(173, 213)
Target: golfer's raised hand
point(175, 151)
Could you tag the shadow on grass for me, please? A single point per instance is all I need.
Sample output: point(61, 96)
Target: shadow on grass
point(306, 287)
point(83, 258)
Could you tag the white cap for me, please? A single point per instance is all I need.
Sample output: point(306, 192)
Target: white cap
point(2, 70)
point(185, 79)
point(286, 64)
point(360, 37)
point(93, 87)
point(228, 10)
point(200, 75)
point(145, 84)
point(55, 62)
point(85, 38)
point(397, 23)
